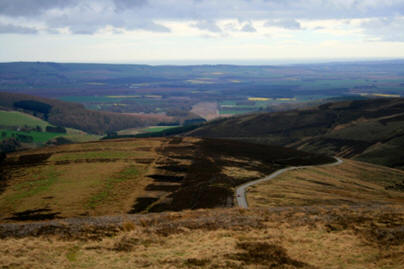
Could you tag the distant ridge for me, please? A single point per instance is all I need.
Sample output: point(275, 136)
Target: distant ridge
point(70, 115)
point(369, 130)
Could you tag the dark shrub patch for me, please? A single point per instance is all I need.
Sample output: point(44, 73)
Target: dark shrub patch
point(37, 214)
point(141, 204)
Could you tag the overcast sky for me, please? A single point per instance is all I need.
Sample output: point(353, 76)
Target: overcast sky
point(150, 31)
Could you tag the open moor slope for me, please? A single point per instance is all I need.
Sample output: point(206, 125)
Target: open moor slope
point(368, 130)
point(134, 176)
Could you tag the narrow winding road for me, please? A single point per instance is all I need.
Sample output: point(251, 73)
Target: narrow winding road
point(240, 191)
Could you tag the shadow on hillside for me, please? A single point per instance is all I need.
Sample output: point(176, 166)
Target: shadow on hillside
point(203, 183)
point(34, 215)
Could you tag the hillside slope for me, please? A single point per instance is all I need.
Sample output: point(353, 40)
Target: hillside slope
point(70, 114)
point(368, 130)
point(134, 175)
point(350, 183)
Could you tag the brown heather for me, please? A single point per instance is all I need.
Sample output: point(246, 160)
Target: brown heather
point(290, 237)
point(347, 216)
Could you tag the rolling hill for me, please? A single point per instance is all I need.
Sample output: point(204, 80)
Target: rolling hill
point(72, 115)
point(369, 130)
point(134, 176)
point(84, 205)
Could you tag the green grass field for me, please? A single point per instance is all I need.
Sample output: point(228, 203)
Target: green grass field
point(233, 112)
point(38, 137)
point(15, 118)
point(231, 107)
point(9, 120)
point(151, 129)
point(89, 99)
point(157, 129)
point(103, 99)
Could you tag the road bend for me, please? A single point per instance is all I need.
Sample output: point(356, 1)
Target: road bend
point(240, 191)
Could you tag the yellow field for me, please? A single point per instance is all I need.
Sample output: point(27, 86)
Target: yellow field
point(286, 99)
point(258, 99)
point(380, 95)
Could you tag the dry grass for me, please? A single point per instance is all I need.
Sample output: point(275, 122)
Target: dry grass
point(100, 178)
point(349, 183)
point(311, 237)
point(240, 173)
point(348, 216)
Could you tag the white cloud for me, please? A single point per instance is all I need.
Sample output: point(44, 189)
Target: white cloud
point(177, 28)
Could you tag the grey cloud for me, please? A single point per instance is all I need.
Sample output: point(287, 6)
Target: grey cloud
point(207, 26)
point(85, 19)
point(122, 5)
point(32, 7)
point(141, 25)
point(240, 27)
point(87, 16)
point(213, 10)
point(248, 28)
point(9, 28)
point(386, 29)
point(290, 24)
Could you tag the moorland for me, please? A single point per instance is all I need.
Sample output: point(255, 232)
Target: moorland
point(114, 166)
point(368, 130)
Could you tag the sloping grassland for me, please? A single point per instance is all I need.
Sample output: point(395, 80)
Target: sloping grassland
point(350, 183)
point(347, 216)
point(367, 130)
point(134, 176)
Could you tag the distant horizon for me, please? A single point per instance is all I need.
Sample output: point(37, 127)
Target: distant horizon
point(243, 62)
